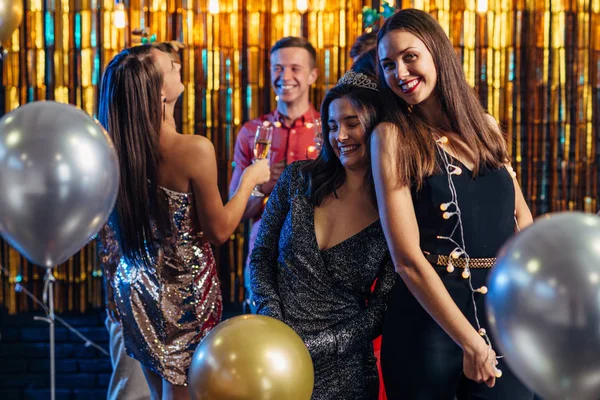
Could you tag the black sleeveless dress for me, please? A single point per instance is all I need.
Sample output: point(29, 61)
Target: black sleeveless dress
point(419, 360)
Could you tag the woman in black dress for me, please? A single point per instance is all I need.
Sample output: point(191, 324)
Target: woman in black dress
point(320, 248)
point(448, 200)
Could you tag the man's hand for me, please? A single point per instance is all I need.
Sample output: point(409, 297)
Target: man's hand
point(276, 171)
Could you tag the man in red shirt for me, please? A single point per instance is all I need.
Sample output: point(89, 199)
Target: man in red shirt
point(293, 70)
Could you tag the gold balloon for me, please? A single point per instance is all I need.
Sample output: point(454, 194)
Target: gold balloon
point(251, 357)
point(11, 14)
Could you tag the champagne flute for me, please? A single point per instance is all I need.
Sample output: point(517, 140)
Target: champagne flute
point(262, 146)
point(312, 151)
point(318, 135)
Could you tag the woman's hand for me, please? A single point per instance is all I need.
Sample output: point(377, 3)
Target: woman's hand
point(479, 363)
point(258, 173)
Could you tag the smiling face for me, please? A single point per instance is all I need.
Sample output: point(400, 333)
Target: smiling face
point(347, 134)
point(292, 73)
point(172, 86)
point(408, 67)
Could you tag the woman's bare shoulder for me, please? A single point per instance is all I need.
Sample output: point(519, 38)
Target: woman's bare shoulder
point(385, 138)
point(187, 153)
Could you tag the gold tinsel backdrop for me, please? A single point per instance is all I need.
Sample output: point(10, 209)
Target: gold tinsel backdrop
point(534, 63)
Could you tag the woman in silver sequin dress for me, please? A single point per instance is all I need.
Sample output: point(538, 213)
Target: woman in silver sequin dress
point(162, 278)
point(321, 246)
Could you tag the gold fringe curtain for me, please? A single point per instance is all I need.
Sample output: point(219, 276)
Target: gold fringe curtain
point(63, 45)
point(536, 67)
point(534, 63)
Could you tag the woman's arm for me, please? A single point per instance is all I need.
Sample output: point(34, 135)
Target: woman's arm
point(348, 336)
point(217, 221)
point(402, 234)
point(263, 260)
point(522, 213)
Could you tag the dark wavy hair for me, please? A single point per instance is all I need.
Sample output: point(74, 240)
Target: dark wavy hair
point(326, 173)
point(130, 109)
point(458, 103)
point(364, 43)
point(367, 64)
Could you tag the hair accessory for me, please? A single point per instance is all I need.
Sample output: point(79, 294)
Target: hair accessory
point(371, 16)
point(358, 79)
point(147, 40)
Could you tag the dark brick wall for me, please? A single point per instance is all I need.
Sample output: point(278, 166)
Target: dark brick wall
point(82, 373)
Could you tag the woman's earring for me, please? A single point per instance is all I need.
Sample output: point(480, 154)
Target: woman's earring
point(164, 109)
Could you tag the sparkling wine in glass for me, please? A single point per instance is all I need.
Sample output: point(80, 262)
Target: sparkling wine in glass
point(312, 151)
point(262, 146)
point(318, 135)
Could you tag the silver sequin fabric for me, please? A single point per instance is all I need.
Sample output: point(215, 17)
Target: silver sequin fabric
point(325, 296)
point(166, 308)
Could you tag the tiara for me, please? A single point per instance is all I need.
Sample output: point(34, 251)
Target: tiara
point(358, 79)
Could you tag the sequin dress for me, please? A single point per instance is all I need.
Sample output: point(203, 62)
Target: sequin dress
point(168, 307)
point(325, 296)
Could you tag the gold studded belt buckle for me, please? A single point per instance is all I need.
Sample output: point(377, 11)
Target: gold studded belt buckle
point(442, 261)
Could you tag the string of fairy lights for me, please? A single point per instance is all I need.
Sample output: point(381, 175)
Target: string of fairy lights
point(460, 250)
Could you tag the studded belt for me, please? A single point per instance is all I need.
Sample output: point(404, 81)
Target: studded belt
point(442, 261)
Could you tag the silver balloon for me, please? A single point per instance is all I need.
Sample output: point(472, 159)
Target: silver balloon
point(544, 306)
point(59, 179)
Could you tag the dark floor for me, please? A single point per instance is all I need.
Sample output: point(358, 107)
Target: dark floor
point(82, 373)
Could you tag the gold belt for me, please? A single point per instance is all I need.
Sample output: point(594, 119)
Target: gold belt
point(442, 261)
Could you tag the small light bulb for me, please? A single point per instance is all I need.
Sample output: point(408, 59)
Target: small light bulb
point(482, 6)
point(455, 254)
point(444, 139)
point(498, 373)
point(444, 206)
point(447, 215)
point(213, 6)
point(302, 6)
point(482, 332)
point(450, 267)
point(483, 290)
point(119, 20)
point(466, 274)
point(456, 170)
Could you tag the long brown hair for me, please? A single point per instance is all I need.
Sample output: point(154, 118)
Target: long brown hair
point(326, 173)
point(458, 102)
point(130, 108)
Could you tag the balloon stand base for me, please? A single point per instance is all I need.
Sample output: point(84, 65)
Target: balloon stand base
point(49, 300)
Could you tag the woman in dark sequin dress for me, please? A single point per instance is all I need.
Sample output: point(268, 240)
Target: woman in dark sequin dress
point(160, 270)
point(320, 248)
